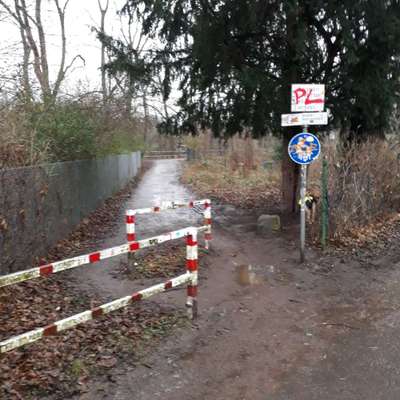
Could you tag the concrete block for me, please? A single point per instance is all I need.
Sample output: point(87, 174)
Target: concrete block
point(268, 224)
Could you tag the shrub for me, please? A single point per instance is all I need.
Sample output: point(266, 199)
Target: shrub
point(364, 185)
point(68, 130)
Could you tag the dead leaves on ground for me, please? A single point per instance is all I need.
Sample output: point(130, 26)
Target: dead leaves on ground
point(62, 364)
point(164, 261)
point(380, 230)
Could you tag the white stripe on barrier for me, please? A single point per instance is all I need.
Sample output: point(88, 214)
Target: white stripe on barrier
point(130, 228)
point(192, 253)
point(21, 276)
point(195, 278)
point(70, 322)
point(70, 263)
point(21, 340)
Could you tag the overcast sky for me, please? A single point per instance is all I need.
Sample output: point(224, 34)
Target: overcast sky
point(81, 16)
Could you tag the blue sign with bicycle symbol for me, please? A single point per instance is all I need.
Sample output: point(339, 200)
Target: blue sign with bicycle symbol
point(304, 148)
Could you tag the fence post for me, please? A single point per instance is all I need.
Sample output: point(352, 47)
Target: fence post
point(207, 222)
point(130, 229)
point(324, 204)
point(191, 267)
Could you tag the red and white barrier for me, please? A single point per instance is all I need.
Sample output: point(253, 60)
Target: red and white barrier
point(207, 222)
point(192, 267)
point(130, 226)
point(92, 258)
point(170, 205)
point(190, 277)
point(133, 245)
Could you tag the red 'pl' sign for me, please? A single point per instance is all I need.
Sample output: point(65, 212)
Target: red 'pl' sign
point(307, 97)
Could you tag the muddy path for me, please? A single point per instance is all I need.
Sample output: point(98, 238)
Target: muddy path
point(268, 328)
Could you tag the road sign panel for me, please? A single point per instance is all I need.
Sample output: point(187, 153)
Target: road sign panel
point(304, 148)
point(301, 119)
point(307, 97)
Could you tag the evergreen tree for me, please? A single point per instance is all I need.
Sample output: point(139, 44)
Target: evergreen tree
point(236, 59)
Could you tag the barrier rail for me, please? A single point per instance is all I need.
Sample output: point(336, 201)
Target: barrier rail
point(170, 205)
point(90, 258)
point(190, 277)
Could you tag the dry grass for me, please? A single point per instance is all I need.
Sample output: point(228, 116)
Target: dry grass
point(233, 171)
point(240, 187)
point(363, 187)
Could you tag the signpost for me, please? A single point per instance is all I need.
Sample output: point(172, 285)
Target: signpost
point(307, 100)
point(303, 149)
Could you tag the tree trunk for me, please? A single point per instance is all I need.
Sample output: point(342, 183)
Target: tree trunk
point(103, 12)
point(26, 83)
point(146, 116)
point(290, 178)
point(291, 74)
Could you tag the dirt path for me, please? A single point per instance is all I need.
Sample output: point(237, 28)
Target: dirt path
point(276, 330)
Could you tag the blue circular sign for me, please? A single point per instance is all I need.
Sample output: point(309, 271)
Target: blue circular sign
point(304, 148)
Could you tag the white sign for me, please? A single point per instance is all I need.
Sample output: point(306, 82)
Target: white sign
point(307, 97)
point(315, 118)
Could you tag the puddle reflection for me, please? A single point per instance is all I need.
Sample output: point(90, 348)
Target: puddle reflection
point(250, 275)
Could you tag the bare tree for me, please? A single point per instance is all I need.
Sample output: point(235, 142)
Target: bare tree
point(103, 12)
point(33, 39)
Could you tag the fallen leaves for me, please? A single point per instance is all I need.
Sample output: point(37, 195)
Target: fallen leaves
point(379, 230)
point(63, 363)
point(163, 261)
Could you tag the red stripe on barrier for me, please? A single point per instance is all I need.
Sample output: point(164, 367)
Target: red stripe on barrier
point(136, 297)
point(190, 241)
point(131, 237)
point(191, 265)
point(134, 246)
point(191, 204)
point(130, 219)
point(168, 285)
point(50, 330)
point(156, 209)
point(192, 291)
point(94, 257)
point(97, 312)
point(207, 221)
point(207, 205)
point(46, 270)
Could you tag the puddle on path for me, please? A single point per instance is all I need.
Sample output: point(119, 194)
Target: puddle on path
point(253, 274)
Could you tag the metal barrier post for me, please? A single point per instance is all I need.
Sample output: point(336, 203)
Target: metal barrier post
point(191, 266)
point(207, 222)
point(130, 230)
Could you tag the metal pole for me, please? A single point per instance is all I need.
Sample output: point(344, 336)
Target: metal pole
point(324, 204)
point(303, 185)
point(303, 212)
